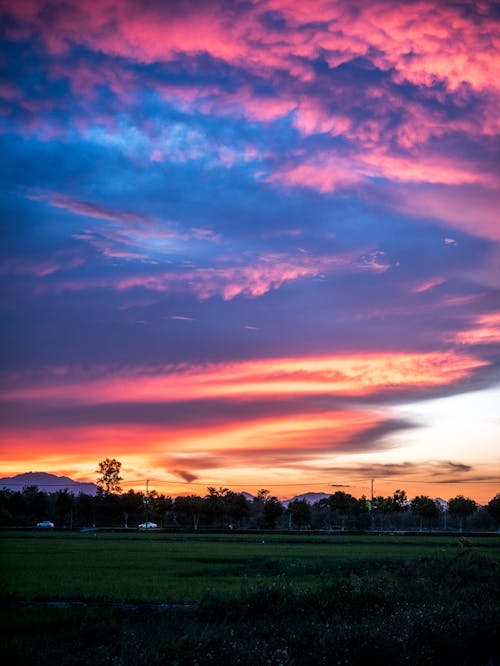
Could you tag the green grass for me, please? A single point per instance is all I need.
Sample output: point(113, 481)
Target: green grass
point(182, 569)
point(291, 601)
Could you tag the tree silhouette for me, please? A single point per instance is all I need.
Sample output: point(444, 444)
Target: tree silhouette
point(299, 512)
point(340, 504)
point(109, 481)
point(424, 507)
point(462, 507)
point(493, 508)
point(190, 507)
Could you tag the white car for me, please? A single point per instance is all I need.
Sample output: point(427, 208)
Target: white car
point(45, 523)
point(148, 526)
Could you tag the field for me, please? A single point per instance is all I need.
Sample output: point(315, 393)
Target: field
point(186, 599)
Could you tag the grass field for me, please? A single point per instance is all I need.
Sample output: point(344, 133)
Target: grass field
point(278, 600)
point(183, 568)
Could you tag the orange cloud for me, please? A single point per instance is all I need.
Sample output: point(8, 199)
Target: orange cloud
point(346, 375)
point(284, 446)
point(485, 329)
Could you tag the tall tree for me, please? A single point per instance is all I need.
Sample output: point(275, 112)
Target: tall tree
point(64, 508)
point(132, 506)
point(461, 507)
point(425, 508)
point(266, 509)
point(493, 508)
point(236, 507)
point(299, 513)
point(109, 481)
point(189, 507)
point(341, 504)
point(273, 509)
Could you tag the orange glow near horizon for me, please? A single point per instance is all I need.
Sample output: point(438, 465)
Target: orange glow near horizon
point(283, 452)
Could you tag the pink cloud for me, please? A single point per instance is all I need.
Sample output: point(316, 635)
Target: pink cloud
point(312, 118)
point(254, 279)
point(423, 168)
point(471, 209)
point(87, 208)
point(356, 374)
point(445, 49)
point(428, 285)
point(59, 262)
point(485, 329)
point(423, 42)
point(324, 173)
point(270, 272)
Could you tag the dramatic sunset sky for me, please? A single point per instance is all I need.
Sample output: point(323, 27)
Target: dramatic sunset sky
point(252, 243)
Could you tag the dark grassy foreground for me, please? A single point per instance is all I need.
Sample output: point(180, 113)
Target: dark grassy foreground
point(345, 602)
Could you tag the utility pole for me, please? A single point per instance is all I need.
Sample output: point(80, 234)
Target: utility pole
point(372, 517)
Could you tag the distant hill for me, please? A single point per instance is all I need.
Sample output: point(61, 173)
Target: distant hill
point(442, 504)
point(49, 483)
point(310, 498)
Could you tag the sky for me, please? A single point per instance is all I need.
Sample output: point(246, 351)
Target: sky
point(252, 244)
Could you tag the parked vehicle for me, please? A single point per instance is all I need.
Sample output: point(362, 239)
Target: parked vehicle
point(148, 526)
point(45, 523)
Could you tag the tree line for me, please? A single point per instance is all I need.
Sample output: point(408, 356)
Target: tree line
point(224, 508)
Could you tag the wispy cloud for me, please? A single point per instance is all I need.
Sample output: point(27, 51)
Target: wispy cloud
point(240, 278)
point(87, 208)
point(483, 330)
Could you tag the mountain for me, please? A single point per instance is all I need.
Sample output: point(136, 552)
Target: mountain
point(310, 498)
point(48, 483)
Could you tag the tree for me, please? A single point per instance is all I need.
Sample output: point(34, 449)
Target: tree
point(163, 506)
point(493, 508)
point(267, 509)
point(424, 507)
point(341, 504)
point(236, 507)
point(109, 481)
point(37, 503)
point(396, 503)
point(5, 514)
point(273, 509)
point(299, 512)
point(64, 507)
point(132, 505)
point(190, 507)
point(86, 509)
point(461, 507)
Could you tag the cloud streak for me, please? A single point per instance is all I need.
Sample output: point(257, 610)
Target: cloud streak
point(354, 375)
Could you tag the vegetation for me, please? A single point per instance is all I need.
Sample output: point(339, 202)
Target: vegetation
point(290, 600)
point(493, 509)
point(226, 509)
point(109, 479)
point(461, 507)
point(425, 508)
point(182, 568)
